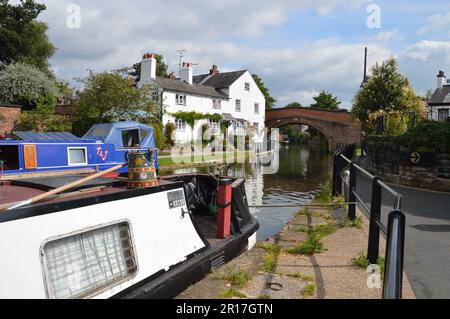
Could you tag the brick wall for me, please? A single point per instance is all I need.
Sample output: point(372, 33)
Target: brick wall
point(9, 118)
point(383, 159)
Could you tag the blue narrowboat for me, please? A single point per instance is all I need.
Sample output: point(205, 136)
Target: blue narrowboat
point(103, 146)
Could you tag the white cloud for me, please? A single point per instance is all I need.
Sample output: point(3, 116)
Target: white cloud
point(224, 32)
point(384, 36)
point(422, 61)
point(437, 23)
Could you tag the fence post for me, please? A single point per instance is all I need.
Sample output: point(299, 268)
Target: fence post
point(393, 265)
point(337, 189)
point(351, 194)
point(374, 230)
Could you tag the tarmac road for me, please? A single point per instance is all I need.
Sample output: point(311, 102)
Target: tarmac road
point(427, 246)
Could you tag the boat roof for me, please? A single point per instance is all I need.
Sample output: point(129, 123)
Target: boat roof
point(47, 136)
point(112, 133)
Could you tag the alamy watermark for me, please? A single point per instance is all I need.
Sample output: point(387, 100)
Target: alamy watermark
point(374, 19)
point(374, 278)
point(245, 146)
point(73, 20)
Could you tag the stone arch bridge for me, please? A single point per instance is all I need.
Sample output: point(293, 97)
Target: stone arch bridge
point(336, 125)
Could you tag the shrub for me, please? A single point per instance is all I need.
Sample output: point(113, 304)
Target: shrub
point(24, 84)
point(170, 127)
point(427, 134)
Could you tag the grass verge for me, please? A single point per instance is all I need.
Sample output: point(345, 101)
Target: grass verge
point(231, 293)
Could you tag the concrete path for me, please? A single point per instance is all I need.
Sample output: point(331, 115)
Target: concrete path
point(427, 247)
point(270, 271)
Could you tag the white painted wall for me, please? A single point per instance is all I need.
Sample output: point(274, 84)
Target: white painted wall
point(204, 105)
point(433, 111)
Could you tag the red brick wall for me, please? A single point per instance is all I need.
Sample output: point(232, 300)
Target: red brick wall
point(9, 118)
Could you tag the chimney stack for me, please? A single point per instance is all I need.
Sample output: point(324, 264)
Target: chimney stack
point(441, 79)
point(186, 72)
point(214, 70)
point(172, 76)
point(148, 68)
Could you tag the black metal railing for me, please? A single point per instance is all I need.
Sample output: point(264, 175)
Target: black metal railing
point(395, 230)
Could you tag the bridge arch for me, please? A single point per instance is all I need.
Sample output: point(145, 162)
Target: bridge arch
point(337, 126)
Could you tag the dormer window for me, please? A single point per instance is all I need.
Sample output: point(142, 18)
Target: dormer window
point(247, 86)
point(180, 99)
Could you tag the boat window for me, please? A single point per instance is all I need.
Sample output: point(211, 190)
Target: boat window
point(80, 265)
point(130, 138)
point(143, 134)
point(77, 155)
point(9, 157)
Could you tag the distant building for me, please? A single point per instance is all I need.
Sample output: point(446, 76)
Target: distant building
point(439, 103)
point(234, 95)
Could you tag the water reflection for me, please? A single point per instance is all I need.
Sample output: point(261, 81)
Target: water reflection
point(301, 170)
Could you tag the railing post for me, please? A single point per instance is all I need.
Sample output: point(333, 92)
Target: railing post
point(393, 265)
point(351, 194)
point(374, 230)
point(337, 187)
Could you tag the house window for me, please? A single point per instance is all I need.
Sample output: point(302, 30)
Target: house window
point(442, 115)
point(256, 108)
point(247, 86)
point(180, 125)
point(79, 265)
point(180, 99)
point(256, 126)
point(214, 125)
point(155, 96)
point(216, 104)
point(238, 105)
point(130, 138)
point(77, 155)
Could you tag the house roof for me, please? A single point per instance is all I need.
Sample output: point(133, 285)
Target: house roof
point(220, 80)
point(182, 86)
point(441, 96)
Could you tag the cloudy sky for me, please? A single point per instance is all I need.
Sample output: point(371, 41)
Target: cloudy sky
point(298, 47)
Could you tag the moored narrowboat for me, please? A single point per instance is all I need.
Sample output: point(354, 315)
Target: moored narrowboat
point(104, 240)
point(103, 146)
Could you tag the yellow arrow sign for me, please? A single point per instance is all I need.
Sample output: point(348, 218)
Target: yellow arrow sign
point(414, 157)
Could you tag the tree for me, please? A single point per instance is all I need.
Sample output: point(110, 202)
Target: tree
point(23, 38)
point(270, 101)
point(23, 84)
point(326, 100)
point(428, 94)
point(293, 104)
point(43, 117)
point(386, 90)
point(108, 96)
point(161, 68)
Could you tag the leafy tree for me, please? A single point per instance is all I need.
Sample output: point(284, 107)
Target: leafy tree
point(43, 117)
point(326, 100)
point(161, 68)
point(23, 84)
point(66, 92)
point(109, 96)
point(386, 90)
point(270, 101)
point(293, 104)
point(428, 94)
point(23, 38)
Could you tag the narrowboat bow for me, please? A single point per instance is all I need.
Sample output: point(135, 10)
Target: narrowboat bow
point(104, 240)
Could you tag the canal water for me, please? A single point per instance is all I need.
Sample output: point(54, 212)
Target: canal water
point(301, 169)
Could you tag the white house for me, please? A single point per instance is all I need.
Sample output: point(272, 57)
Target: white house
point(439, 103)
point(234, 95)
